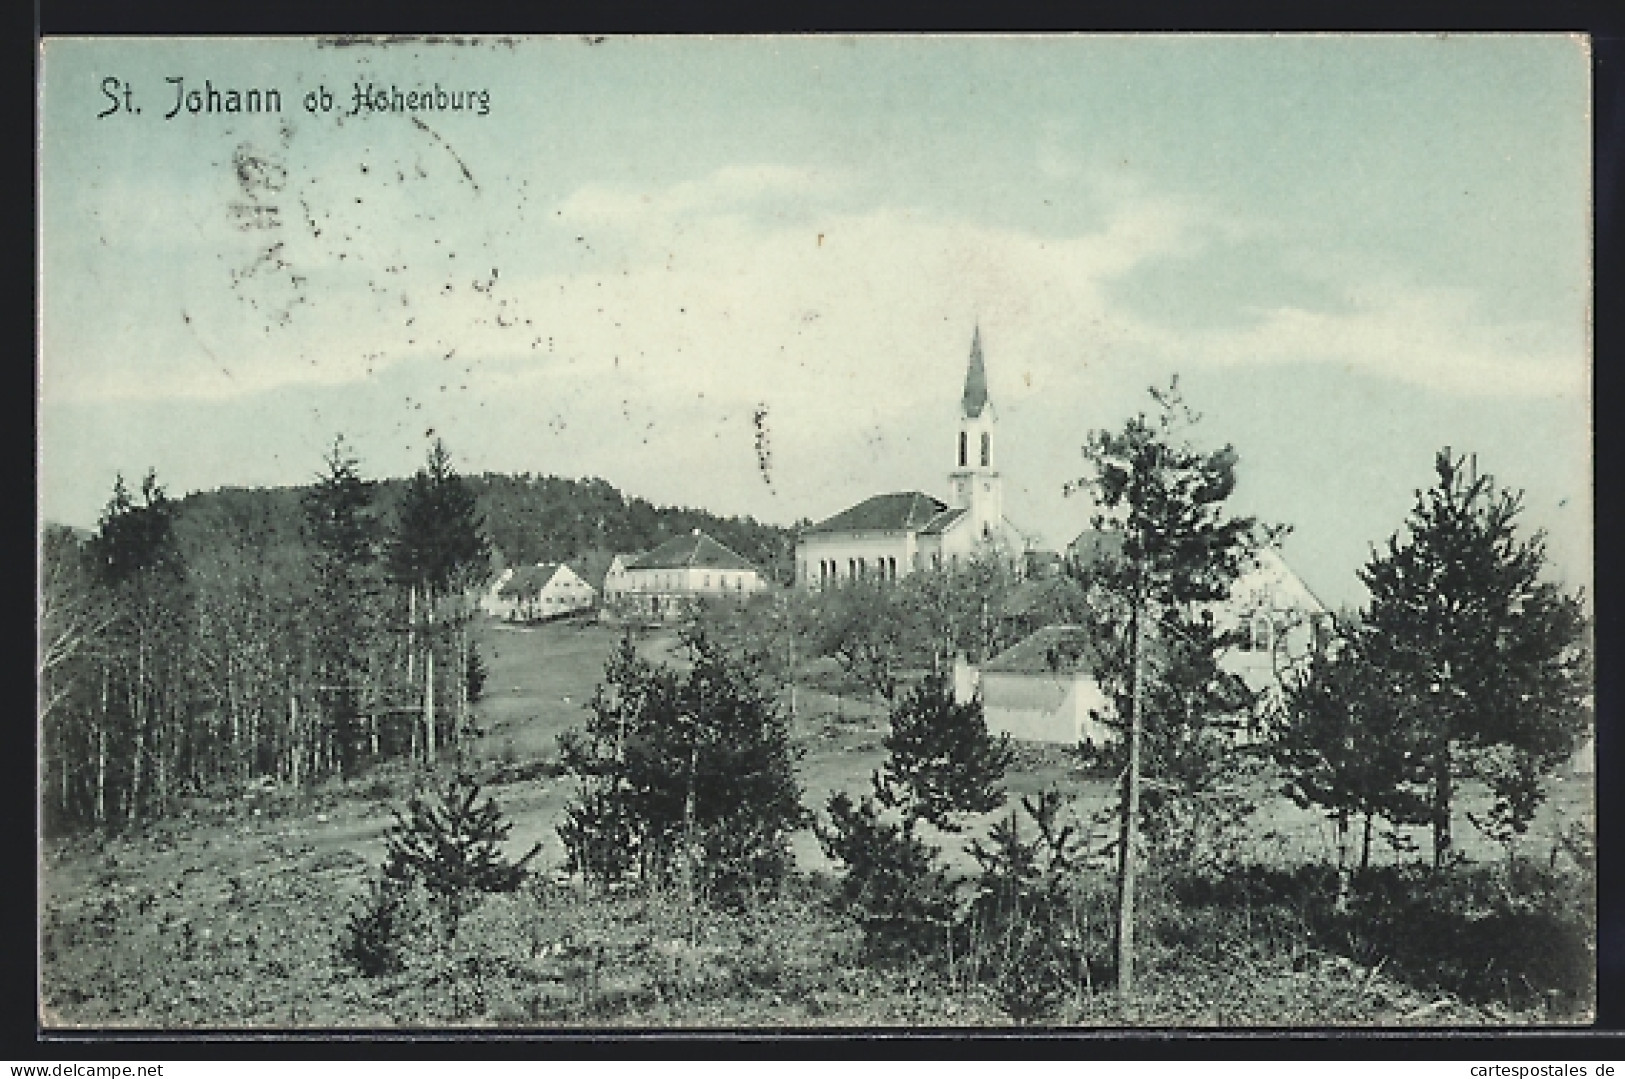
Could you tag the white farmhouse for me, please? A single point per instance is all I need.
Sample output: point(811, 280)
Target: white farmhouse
point(659, 584)
point(891, 535)
point(535, 593)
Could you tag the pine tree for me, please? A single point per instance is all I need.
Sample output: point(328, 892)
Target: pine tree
point(1162, 501)
point(439, 552)
point(942, 762)
point(1474, 648)
point(343, 535)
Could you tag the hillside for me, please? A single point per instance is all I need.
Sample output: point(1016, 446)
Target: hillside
point(528, 519)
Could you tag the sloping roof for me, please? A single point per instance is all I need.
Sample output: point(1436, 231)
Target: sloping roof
point(1052, 650)
point(942, 522)
point(528, 580)
point(975, 398)
point(1093, 544)
point(693, 550)
point(902, 511)
point(1040, 593)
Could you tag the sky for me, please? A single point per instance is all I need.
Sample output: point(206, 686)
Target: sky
point(744, 273)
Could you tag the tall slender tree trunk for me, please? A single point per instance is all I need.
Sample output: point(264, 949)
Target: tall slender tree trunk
point(1365, 843)
point(1128, 855)
point(411, 631)
point(101, 757)
point(1441, 805)
point(428, 707)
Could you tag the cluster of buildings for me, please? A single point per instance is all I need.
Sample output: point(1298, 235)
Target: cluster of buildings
point(1044, 688)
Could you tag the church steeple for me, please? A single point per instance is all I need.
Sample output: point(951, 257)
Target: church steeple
point(976, 484)
point(975, 398)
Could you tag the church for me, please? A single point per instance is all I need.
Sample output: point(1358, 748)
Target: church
point(891, 535)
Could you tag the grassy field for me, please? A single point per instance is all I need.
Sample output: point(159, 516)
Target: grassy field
point(230, 917)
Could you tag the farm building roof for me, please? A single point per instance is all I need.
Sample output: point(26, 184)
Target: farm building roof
point(528, 581)
point(1052, 650)
point(696, 550)
point(901, 511)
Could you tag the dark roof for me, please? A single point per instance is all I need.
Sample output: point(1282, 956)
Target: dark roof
point(1094, 544)
point(1038, 594)
point(528, 580)
point(693, 550)
point(1052, 650)
point(975, 398)
point(897, 512)
point(942, 522)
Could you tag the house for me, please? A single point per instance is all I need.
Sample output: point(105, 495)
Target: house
point(535, 593)
point(658, 585)
point(1043, 689)
point(889, 536)
point(1277, 620)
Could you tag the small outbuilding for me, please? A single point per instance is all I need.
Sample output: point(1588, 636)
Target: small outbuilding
point(1043, 689)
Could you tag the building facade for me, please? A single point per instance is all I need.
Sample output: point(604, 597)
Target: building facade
point(535, 593)
point(891, 535)
point(658, 585)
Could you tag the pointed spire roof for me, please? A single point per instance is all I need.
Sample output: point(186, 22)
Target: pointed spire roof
point(975, 398)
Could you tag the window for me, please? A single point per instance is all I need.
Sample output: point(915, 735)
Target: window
point(891, 568)
point(964, 448)
point(708, 580)
point(987, 448)
point(1260, 633)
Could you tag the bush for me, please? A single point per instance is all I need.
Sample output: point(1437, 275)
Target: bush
point(1029, 924)
point(453, 849)
point(894, 885)
point(374, 939)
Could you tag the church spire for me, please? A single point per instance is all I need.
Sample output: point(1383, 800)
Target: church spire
point(975, 398)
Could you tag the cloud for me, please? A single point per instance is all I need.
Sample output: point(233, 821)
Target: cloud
point(1437, 338)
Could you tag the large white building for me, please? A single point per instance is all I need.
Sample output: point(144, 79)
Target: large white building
point(659, 584)
point(891, 535)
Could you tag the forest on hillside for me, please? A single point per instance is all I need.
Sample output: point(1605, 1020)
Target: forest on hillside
point(298, 632)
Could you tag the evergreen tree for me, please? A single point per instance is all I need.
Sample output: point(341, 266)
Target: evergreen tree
point(695, 769)
point(440, 553)
point(942, 762)
point(1342, 744)
point(344, 535)
point(1474, 649)
point(1173, 550)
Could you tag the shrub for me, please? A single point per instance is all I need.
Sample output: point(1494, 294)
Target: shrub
point(374, 939)
point(894, 885)
point(1029, 919)
point(453, 849)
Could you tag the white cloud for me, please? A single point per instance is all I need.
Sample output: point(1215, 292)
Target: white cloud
point(1431, 337)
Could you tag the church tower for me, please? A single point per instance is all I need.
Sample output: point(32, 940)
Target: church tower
point(975, 481)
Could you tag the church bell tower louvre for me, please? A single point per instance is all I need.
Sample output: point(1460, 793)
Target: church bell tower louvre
point(974, 481)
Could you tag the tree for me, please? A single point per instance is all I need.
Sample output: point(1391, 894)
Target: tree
point(1343, 746)
point(1474, 649)
point(439, 552)
point(1162, 501)
point(343, 535)
point(142, 577)
point(942, 762)
point(691, 771)
point(452, 845)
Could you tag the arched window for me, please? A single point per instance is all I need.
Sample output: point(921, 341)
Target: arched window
point(1261, 633)
point(964, 448)
point(891, 568)
point(987, 449)
point(851, 569)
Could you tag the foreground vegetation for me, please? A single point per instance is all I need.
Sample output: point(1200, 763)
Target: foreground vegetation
point(237, 919)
